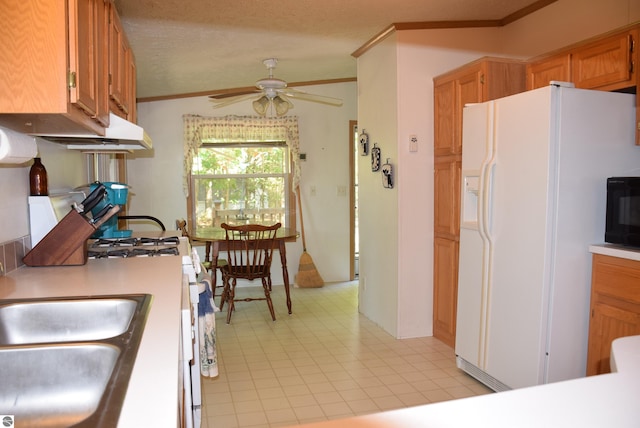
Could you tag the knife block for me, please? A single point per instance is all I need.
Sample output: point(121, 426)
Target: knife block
point(64, 245)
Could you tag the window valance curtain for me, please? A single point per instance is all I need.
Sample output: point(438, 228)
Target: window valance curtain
point(199, 129)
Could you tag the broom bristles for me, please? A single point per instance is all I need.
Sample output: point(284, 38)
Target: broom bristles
point(308, 276)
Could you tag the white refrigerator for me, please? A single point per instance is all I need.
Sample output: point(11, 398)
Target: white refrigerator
point(534, 170)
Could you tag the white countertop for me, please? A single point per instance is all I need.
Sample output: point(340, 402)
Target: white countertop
point(152, 396)
point(609, 400)
point(616, 251)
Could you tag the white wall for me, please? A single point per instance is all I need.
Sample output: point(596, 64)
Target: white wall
point(565, 22)
point(415, 57)
point(156, 177)
point(65, 170)
point(395, 81)
point(378, 206)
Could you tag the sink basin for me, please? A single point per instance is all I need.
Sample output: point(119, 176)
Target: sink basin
point(64, 320)
point(51, 386)
point(67, 361)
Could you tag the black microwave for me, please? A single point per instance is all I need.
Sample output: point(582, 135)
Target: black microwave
point(623, 211)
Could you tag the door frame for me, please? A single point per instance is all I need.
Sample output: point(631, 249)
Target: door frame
point(353, 124)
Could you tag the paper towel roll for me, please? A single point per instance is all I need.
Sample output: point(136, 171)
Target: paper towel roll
point(16, 147)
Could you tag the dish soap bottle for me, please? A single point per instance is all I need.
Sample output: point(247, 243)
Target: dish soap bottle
point(38, 179)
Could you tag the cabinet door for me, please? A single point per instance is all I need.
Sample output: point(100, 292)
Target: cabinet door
point(608, 322)
point(102, 114)
point(469, 89)
point(447, 196)
point(132, 114)
point(83, 55)
point(445, 118)
point(445, 289)
point(605, 64)
point(540, 73)
point(118, 66)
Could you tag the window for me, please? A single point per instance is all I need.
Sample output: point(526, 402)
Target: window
point(241, 182)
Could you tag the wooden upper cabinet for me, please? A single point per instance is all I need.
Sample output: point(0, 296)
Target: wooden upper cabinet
point(482, 80)
point(445, 118)
point(132, 115)
point(605, 64)
point(608, 63)
point(58, 75)
point(87, 58)
point(540, 73)
point(121, 70)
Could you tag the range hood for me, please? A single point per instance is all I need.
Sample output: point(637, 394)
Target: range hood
point(121, 135)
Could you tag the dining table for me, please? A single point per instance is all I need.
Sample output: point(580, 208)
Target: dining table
point(214, 238)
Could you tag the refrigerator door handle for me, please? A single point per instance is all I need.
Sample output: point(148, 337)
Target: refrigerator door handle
point(486, 178)
point(485, 202)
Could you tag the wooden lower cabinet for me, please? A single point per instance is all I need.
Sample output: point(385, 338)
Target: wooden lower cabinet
point(615, 308)
point(445, 295)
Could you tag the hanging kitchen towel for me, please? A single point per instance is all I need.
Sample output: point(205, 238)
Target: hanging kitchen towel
point(207, 331)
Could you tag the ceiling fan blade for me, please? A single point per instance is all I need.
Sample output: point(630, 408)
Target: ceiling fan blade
point(231, 100)
point(301, 95)
point(227, 93)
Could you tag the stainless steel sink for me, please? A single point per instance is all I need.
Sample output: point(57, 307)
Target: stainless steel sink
point(67, 320)
point(59, 385)
point(60, 366)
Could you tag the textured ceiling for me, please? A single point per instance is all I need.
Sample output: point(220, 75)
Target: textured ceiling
point(187, 46)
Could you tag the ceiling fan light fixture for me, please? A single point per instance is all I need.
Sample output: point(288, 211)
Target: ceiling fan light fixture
point(260, 105)
point(282, 106)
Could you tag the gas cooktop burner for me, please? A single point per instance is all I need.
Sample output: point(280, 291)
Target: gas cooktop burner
point(169, 240)
point(143, 252)
point(115, 242)
point(109, 254)
point(133, 247)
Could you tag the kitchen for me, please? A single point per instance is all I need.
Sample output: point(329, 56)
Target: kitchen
point(410, 57)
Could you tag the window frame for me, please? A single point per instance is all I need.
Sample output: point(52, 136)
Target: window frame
point(290, 199)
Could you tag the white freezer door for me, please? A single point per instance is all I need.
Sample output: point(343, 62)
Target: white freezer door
point(472, 278)
point(522, 214)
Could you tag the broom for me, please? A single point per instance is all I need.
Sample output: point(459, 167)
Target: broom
point(308, 276)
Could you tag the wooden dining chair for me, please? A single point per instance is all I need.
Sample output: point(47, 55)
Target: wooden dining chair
point(249, 253)
point(181, 225)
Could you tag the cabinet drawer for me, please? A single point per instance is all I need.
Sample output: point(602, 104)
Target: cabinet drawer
point(616, 277)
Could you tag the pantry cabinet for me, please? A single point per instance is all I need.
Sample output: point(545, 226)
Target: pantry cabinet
point(55, 69)
point(482, 80)
point(615, 307)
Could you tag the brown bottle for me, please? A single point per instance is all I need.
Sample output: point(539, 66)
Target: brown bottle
point(38, 179)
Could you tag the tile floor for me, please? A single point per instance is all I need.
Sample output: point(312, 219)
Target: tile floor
point(325, 361)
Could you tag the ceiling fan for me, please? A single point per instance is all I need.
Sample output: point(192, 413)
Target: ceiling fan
point(270, 92)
